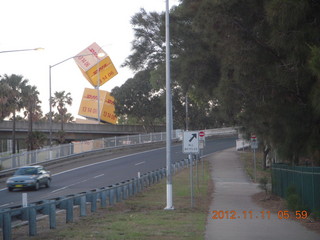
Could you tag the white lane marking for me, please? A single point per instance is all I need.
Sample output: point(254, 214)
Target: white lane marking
point(113, 159)
point(139, 163)
point(99, 176)
point(5, 205)
point(59, 189)
point(110, 160)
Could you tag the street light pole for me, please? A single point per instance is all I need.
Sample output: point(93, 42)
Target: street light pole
point(22, 50)
point(50, 108)
point(50, 96)
point(10, 51)
point(168, 115)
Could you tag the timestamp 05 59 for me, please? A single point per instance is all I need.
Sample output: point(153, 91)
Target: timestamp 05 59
point(232, 214)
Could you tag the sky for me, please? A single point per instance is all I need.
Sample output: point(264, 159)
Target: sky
point(64, 28)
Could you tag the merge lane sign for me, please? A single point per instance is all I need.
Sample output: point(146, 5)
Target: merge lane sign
point(190, 142)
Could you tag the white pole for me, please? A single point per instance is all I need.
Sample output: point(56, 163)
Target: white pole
point(254, 165)
point(98, 89)
point(168, 114)
point(24, 200)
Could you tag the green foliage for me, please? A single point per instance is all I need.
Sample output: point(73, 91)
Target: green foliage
point(263, 182)
point(293, 199)
point(60, 100)
point(241, 62)
point(148, 45)
point(36, 140)
point(136, 99)
point(293, 202)
point(315, 215)
point(4, 100)
point(263, 185)
point(265, 86)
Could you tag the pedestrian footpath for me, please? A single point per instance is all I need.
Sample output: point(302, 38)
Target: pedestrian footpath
point(233, 215)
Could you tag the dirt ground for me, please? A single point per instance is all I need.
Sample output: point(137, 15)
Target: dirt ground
point(275, 204)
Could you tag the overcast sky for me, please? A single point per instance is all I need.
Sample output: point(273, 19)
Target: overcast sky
point(64, 28)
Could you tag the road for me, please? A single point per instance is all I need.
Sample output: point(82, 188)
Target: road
point(104, 171)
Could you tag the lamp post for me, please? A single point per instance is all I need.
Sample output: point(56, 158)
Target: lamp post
point(22, 50)
point(168, 115)
point(10, 51)
point(50, 96)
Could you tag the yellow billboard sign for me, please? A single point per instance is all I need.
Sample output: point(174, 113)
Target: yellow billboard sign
point(103, 71)
point(95, 65)
point(89, 106)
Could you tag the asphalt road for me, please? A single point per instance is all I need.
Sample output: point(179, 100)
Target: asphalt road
point(104, 171)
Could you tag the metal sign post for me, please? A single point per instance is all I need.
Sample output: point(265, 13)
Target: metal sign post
point(254, 146)
point(202, 144)
point(191, 178)
point(191, 146)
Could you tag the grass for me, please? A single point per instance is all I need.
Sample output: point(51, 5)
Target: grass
point(143, 216)
point(247, 158)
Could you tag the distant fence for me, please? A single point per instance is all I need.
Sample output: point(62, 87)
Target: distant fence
point(241, 144)
point(74, 148)
point(65, 150)
point(107, 196)
point(306, 181)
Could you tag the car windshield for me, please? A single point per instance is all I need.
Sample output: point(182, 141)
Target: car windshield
point(26, 171)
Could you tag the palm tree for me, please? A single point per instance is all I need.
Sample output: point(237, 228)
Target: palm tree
point(16, 84)
point(61, 99)
point(4, 97)
point(32, 111)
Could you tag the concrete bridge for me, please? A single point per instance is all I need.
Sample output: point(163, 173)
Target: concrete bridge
point(73, 131)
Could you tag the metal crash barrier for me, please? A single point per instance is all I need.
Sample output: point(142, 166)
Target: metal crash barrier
point(107, 196)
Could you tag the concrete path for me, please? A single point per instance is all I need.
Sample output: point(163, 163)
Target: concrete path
point(232, 193)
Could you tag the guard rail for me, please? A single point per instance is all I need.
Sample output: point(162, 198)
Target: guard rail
point(107, 196)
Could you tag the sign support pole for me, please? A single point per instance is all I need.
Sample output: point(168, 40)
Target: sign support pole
point(254, 165)
point(254, 146)
point(191, 178)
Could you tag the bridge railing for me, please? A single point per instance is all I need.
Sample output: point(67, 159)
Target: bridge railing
point(53, 153)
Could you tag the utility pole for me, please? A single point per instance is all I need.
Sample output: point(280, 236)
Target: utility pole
point(168, 114)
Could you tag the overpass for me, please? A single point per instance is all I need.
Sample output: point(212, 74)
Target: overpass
point(73, 131)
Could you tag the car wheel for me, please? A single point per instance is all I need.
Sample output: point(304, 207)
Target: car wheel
point(48, 183)
point(37, 186)
point(10, 189)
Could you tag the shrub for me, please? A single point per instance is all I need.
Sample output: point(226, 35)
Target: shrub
point(293, 199)
point(315, 215)
point(293, 202)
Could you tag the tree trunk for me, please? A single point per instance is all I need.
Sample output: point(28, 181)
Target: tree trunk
point(266, 150)
point(14, 133)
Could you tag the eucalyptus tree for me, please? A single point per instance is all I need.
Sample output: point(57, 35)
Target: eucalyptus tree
point(137, 99)
point(194, 71)
point(268, 53)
